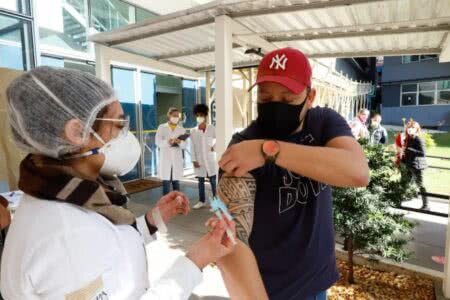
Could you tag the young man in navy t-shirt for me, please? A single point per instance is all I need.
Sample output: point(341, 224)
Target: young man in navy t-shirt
point(277, 178)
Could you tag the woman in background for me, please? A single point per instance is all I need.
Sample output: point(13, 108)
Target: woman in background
point(170, 151)
point(414, 157)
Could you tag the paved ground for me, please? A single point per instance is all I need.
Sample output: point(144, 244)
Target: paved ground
point(429, 239)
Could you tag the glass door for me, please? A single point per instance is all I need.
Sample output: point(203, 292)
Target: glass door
point(149, 123)
point(124, 83)
point(189, 99)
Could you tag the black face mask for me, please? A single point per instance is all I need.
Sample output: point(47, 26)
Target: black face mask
point(278, 120)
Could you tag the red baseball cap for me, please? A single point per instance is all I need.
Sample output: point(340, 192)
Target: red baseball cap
point(288, 67)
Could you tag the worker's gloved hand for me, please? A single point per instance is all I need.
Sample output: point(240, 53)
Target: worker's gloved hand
point(170, 205)
point(214, 245)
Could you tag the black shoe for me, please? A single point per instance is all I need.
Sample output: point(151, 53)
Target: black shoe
point(425, 207)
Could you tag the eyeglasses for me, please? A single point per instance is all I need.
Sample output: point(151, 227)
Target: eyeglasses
point(123, 124)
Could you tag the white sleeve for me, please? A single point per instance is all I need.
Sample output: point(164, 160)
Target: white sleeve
point(177, 283)
point(193, 152)
point(141, 225)
point(160, 139)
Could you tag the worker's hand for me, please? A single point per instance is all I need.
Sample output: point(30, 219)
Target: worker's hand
point(196, 164)
point(241, 158)
point(214, 245)
point(177, 141)
point(171, 141)
point(170, 205)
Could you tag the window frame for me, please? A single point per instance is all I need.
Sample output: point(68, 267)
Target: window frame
point(31, 51)
point(417, 92)
point(420, 58)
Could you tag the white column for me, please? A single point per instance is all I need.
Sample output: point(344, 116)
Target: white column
point(102, 65)
point(446, 281)
point(224, 86)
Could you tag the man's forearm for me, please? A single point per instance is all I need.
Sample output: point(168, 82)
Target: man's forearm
point(241, 274)
point(334, 166)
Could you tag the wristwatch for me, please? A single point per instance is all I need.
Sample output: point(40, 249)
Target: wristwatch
point(270, 150)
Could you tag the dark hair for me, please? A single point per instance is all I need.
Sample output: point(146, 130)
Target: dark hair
point(201, 108)
point(376, 115)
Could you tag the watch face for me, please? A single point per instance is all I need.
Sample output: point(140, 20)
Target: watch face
point(271, 148)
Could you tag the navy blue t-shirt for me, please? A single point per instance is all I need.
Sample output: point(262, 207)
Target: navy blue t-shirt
point(293, 234)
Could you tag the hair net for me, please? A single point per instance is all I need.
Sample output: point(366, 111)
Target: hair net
point(41, 101)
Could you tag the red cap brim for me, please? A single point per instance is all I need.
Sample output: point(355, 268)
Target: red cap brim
point(292, 85)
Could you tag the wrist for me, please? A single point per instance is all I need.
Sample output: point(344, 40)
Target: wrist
point(149, 218)
point(270, 150)
point(200, 263)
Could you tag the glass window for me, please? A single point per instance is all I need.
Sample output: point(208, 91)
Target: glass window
point(62, 25)
point(443, 85)
point(20, 6)
point(427, 86)
point(68, 63)
point(110, 14)
point(52, 61)
point(443, 97)
point(417, 58)
point(409, 88)
point(426, 98)
point(16, 50)
point(409, 99)
point(142, 15)
point(428, 57)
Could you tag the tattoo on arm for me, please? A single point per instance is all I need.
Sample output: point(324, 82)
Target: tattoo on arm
point(238, 193)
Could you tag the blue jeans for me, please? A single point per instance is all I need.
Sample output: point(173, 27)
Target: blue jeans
point(320, 296)
point(166, 185)
point(201, 187)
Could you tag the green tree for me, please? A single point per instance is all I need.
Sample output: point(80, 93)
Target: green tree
point(365, 217)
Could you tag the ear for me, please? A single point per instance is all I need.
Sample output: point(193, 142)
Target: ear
point(311, 98)
point(73, 131)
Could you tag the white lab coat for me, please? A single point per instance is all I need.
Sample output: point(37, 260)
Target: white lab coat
point(58, 251)
point(170, 157)
point(201, 143)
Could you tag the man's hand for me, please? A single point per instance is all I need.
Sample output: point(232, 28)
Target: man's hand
point(239, 159)
point(171, 141)
point(170, 205)
point(196, 164)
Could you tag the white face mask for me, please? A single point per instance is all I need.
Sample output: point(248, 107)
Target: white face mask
point(200, 120)
point(174, 120)
point(411, 131)
point(121, 155)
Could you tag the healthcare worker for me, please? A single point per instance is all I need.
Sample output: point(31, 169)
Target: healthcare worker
point(203, 139)
point(171, 151)
point(71, 237)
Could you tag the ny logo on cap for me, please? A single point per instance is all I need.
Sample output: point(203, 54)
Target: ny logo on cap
point(278, 62)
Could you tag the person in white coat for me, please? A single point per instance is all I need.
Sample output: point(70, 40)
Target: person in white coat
point(170, 168)
point(71, 237)
point(203, 139)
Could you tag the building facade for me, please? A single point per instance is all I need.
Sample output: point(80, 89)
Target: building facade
point(416, 87)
